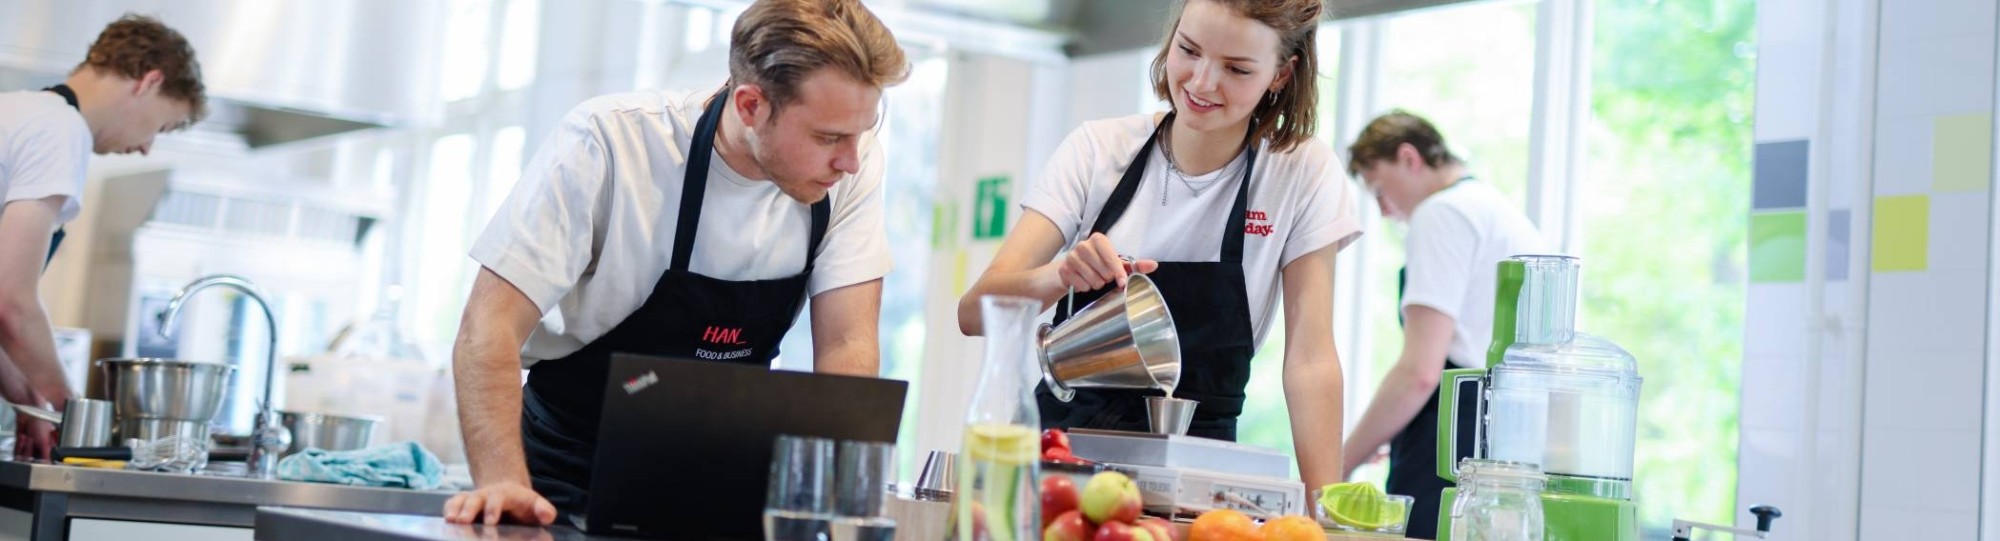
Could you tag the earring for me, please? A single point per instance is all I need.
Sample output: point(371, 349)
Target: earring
point(1273, 100)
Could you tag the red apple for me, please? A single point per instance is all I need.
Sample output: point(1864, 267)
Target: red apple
point(1059, 495)
point(1140, 533)
point(1160, 528)
point(1053, 438)
point(1115, 531)
point(1058, 454)
point(1111, 497)
point(1069, 526)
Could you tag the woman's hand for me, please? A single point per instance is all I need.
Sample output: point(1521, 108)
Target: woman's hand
point(1094, 263)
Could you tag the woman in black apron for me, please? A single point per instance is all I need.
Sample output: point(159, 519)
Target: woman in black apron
point(1233, 98)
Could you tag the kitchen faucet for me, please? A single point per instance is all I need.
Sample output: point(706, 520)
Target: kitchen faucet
point(269, 438)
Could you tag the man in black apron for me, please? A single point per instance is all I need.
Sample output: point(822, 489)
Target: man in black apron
point(536, 467)
point(1215, 354)
point(1459, 230)
point(138, 80)
point(563, 396)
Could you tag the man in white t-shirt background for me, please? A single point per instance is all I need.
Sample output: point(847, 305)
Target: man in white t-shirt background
point(139, 79)
point(1459, 230)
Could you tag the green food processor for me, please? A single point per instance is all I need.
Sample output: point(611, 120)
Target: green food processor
point(1551, 396)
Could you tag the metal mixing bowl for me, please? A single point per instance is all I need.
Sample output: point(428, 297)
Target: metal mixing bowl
point(155, 398)
point(327, 431)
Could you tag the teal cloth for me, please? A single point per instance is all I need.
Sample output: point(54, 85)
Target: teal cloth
point(397, 465)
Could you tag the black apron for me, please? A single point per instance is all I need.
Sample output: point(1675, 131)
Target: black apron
point(1413, 452)
point(68, 96)
point(1211, 307)
point(688, 315)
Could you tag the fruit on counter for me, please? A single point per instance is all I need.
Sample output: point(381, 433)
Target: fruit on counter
point(1059, 496)
point(1054, 438)
point(1110, 497)
point(1224, 525)
point(1292, 528)
point(1142, 534)
point(1160, 528)
point(1069, 526)
point(1115, 531)
point(1058, 454)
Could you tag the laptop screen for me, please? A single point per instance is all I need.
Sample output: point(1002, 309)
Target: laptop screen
point(684, 446)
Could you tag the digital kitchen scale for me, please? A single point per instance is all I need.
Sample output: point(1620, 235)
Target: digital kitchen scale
point(1184, 476)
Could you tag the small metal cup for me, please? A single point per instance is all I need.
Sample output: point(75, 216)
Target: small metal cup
point(86, 423)
point(1170, 415)
point(938, 477)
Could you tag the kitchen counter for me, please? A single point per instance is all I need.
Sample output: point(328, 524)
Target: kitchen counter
point(58, 495)
point(288, 524)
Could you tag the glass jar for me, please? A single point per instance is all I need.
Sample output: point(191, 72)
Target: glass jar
point(997, 497)
point(1497, 501)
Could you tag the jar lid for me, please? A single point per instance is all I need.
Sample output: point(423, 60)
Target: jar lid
point(1498, 469)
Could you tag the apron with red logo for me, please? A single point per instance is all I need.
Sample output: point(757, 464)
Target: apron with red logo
point(1211, 307)
point(688, 315)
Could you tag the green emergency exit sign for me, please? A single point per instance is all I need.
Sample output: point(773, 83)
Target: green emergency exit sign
point(989, 207)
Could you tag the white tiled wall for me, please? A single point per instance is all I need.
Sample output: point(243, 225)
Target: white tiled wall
point(1926, 336)
point(1895, 453)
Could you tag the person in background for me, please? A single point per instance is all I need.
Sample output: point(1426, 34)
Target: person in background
point(139, 79)
point(690, 226)
point(1459, 230)
point(1226, 202)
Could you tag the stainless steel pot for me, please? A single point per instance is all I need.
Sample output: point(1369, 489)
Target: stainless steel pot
point(327, 431)
point(156, 398)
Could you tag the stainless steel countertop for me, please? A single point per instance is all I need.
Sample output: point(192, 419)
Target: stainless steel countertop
point(216, 487)
point(317, 525)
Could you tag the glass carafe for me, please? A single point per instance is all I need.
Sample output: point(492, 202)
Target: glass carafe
point(997, 498)
point(1497, 501)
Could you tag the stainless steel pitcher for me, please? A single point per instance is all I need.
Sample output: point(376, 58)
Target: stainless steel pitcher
point(1123, 340)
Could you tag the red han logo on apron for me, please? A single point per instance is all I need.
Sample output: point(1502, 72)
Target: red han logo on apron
point(725, 336)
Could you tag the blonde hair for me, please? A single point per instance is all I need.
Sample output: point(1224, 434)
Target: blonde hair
point(777, 43)
point(1380, 139)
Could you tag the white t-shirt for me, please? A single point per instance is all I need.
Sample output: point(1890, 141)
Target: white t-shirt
point(1457, 238)
point(44, 150)
point(1299, 201)
point(590, 228)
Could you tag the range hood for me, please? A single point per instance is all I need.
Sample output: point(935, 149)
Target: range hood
point(277, 71)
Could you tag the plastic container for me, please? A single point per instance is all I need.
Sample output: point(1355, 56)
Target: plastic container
point(1349, 512)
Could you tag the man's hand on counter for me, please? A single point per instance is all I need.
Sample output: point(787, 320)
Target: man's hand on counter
point(33, 438)
point(512, 502)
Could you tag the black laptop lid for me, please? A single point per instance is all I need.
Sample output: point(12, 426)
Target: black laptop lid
point(684, 446)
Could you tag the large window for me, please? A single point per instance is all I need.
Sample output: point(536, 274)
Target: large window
point(1668, 147)
point(1664, 230)
point(1266, 422)
point(1470, 70)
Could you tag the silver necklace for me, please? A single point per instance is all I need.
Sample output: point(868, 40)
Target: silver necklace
point(1174, 170)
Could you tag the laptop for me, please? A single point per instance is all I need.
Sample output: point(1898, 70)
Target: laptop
point(684, 445)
